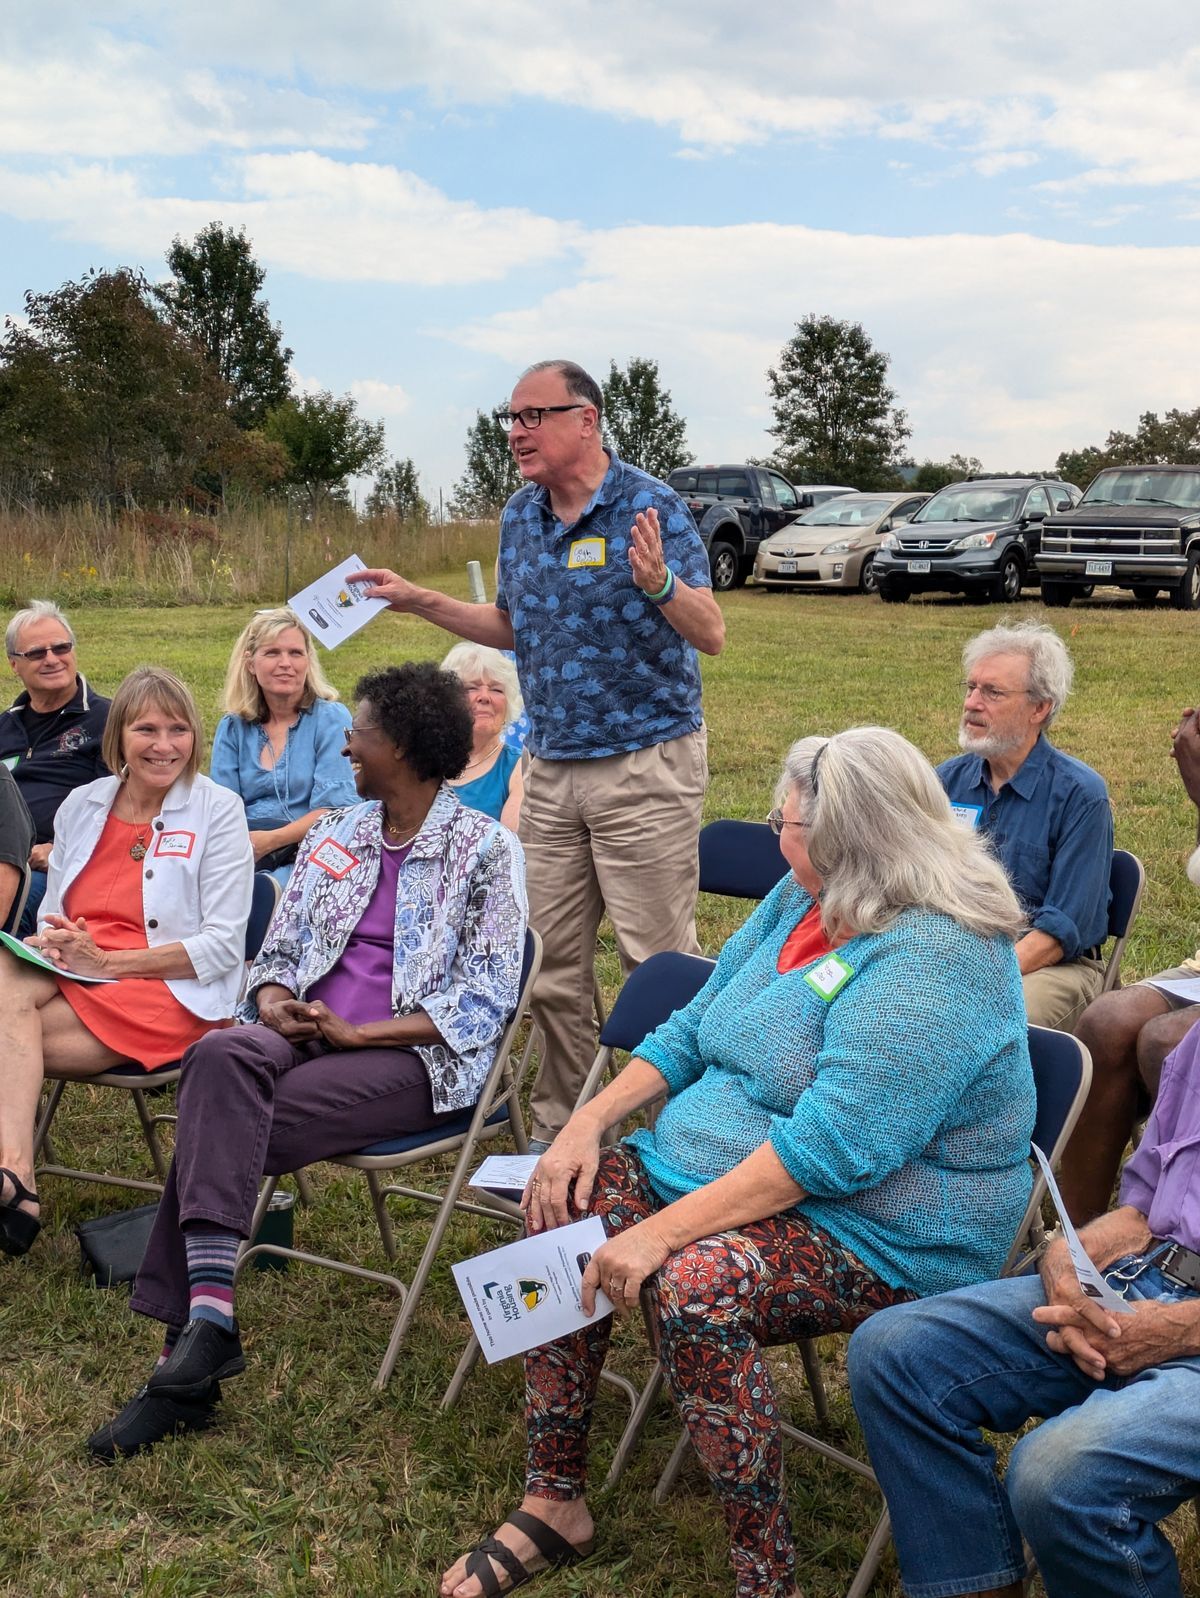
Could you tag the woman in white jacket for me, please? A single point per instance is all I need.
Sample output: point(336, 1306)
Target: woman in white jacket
point(149, 890)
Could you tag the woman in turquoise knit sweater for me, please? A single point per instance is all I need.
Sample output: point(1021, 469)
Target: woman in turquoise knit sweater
point(849, 1108)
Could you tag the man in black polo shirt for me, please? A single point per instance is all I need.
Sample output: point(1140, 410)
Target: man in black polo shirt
point(50, 735)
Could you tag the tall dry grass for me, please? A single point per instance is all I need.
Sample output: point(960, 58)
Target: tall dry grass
point(255, 552)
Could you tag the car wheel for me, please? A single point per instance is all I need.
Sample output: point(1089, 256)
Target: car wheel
point(1145, 595)
point(868, 583)
point(725, 566)
point(1187, 595)
point(893, 593)
point(1012, 574)
point(1057, 595)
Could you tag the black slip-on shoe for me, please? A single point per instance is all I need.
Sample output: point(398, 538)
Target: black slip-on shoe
point(204, 1353)
point(149, 1417)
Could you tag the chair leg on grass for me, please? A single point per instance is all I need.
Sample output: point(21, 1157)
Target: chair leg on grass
point(466, 1364)
point(304, 1189)
point(634, 1427)
point(150, 1133)
point(816, 1380)
point(872, 1559)
point(671, 1470)
point(382, 1218)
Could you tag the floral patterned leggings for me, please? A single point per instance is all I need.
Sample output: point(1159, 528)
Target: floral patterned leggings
point(719, 1302)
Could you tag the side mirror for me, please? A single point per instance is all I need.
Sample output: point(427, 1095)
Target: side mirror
point(886, 527)
point(1036, 516)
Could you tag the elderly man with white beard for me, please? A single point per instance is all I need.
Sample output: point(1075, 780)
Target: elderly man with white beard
point(1047, 815)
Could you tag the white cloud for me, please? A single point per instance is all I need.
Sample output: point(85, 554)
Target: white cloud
point(306, 213)
point(989, 166)
point(1011, 348)
point(380, 399)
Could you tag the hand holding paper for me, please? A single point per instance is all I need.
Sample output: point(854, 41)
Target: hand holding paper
point(528, 1293)
point(334, 607)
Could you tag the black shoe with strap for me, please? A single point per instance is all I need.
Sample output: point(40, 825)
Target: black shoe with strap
point(18, 1228)
point(555, 1550)
point(204, 1353)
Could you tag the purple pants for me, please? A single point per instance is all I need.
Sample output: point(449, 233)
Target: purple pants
point(253, 1104)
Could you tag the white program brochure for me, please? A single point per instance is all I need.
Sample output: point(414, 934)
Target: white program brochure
point(333, 609)
point(1090, 1280)
point(24, 952)
point(528, 1293)
point(505, 1174)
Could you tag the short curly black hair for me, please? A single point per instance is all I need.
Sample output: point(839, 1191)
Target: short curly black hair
point(424, 711)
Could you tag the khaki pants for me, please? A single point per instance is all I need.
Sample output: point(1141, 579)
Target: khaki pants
point(1057, 995)
point(616, 834)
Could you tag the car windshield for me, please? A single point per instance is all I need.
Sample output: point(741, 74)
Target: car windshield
point(853, 512)
point(970, 505)
point(1140, 487)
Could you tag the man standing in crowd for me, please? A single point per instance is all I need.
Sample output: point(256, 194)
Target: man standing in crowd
point(1047, 815)
point(1129, 1034)
point(50, 735)
point(605, 595)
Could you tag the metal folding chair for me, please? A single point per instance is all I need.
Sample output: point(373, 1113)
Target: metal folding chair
point(740, 859)
point(1126, 881)
point(497, 1111)
point(135, 1081)
point(1062, 1074)
point(660, 985)
point(17, 909)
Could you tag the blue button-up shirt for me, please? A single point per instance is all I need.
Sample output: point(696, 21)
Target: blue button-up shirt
point(1051, 827)
point(602, 670)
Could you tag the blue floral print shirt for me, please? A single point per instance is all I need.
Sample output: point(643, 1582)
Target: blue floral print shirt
point(602, 670)
point(460, 929)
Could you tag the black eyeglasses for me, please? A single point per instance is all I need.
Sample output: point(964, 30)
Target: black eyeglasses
point(40, 654)
point(532, 415)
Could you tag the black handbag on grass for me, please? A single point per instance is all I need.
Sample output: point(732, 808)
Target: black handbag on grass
point(113, 1246)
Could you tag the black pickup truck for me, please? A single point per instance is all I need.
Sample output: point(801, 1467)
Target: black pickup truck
point(1136, 527)
point(736, 507)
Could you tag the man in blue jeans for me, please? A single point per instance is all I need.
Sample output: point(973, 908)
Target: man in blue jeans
point(1117, 1450)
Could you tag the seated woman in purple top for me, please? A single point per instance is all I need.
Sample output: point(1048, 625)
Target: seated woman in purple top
point(387, 976)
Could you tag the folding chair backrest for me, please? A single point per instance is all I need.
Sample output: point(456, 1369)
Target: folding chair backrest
point(263, 900)
point(1062, 1075)
point(17, 909)
point(1126, 881)
point(663, 983)
point(740, 859)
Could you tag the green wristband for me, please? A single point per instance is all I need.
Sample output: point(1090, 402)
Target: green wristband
point(665, 592)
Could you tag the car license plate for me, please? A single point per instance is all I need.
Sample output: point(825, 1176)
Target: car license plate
point(786, 567)
point(918, 565)
point(1098, 568)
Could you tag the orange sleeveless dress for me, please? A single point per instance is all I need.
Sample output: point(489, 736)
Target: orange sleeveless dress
point(138, 1017)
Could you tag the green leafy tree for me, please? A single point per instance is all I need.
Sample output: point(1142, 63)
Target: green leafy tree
point(326, 441)
point(397, 492)
point(1172, 440)
point(102, 399)
point(932, 475)
point(639, 420)
point(215, 296)
point(491, 477)
point(835, 415)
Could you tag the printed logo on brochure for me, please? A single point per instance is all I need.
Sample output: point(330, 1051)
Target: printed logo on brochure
point(509, 1297)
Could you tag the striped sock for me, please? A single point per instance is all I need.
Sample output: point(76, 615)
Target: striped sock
point(211, 1257)
point(169, 1341)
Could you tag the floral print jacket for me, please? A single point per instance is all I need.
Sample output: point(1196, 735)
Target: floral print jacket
point(460, 929)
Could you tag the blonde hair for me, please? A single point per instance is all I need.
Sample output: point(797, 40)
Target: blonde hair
point(469, 660)
point(884, 839)
point(145, 686)
point(242, 696)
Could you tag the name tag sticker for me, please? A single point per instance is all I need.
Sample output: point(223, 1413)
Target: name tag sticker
point(331, 857)
point(177, 844)
point(585, 552)
point(967, 815)
point(10, 761)
point(830, 977)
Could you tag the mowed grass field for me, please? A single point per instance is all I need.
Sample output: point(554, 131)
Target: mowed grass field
point(313, 1483)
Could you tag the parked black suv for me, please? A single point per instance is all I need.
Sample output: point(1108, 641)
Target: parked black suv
point(977, 538)
point(735, 508)
point(1136, 527)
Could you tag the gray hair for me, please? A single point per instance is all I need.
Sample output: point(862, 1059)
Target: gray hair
point(36, 610)
point(1050, 670)
point(467, 660)
point(883, 837)
point(581, 385)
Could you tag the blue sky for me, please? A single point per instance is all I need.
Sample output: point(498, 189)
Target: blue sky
point(1006, 195)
